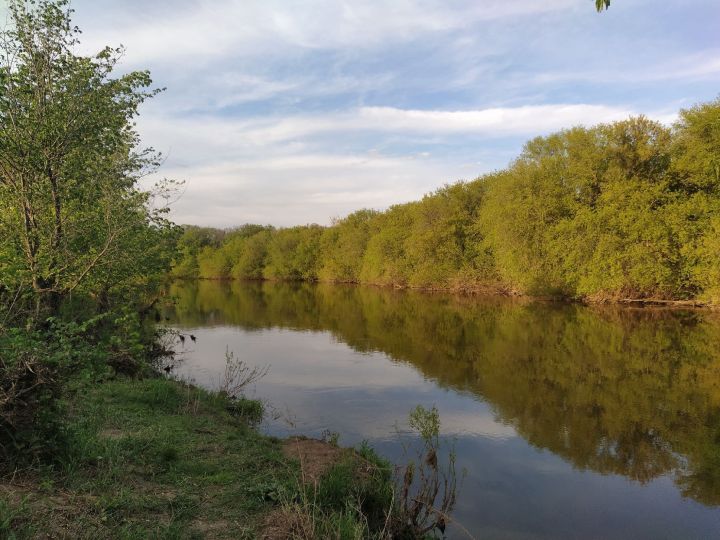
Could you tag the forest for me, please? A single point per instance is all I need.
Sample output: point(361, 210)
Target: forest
point(626, 210)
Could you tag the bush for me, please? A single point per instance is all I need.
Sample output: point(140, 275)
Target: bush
point(37, 365)
point(29, 416)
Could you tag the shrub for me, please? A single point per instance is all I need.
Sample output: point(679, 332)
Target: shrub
point(29, 416)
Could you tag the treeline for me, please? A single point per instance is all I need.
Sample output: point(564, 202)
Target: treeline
point(623, 210)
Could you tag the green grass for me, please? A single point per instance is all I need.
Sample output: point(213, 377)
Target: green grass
point(154, 458)
point(350, 500)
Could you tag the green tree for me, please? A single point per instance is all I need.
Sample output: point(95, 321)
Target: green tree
point(696, 173)
point(385, 261)
point(620, 238)
point(343, 245)
point(70, 206)
point(83, 247)
point(213, 263)
point(250, 263)
point(293, 253)
point(189, 244)
point(621, 210)
point(441, 249)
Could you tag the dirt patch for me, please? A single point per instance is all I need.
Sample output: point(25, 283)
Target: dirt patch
point(15, 493)
point(283, 523)
point(211, 530)
point(61, 514)
point(315, 457)
point(143, 485)
point(113, 434)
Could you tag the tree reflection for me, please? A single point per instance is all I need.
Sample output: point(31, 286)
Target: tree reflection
point(614, 390)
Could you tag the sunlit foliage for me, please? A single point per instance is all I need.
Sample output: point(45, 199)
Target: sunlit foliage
point(83, 247)
point(73, 219)
point(623, 210)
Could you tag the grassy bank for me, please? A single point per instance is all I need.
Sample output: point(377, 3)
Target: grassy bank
point(154, 458)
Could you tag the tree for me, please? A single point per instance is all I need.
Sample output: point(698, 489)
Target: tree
point(342, 247)
point(189, 244)
point(629, 209)
point(696, 172)
point(70, 206)
point(250, 262)
point(292, 254)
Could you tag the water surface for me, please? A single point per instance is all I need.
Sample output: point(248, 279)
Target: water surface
point(572, 422)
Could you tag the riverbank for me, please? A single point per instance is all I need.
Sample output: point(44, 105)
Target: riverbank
point(490, 290)
point(155, 458)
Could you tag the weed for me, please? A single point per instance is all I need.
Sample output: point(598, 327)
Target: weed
point(169, 454)
point(331, 437)
point(250, 410)
point(427, 488)
point(238, 375)
point(14, 520)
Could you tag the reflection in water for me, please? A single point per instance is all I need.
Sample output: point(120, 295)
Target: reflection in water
point(634, 392)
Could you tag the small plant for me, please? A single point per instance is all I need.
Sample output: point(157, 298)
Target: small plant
point(427, 489)
point(13, 520)
point(350, 501)
point(285, 415)
point(330, 437)
point(192, 401)
point(169, 454)
point(238, 375)
point(251, 410)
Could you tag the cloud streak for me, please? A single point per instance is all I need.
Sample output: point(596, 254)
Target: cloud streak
point(248, 28)
point(304, 186)
point(243, 134)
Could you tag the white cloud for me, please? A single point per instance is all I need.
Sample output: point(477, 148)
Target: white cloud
point(280, 170)
point(523, 120)
point(703, 65)
point(289, 190)
point(198, 134)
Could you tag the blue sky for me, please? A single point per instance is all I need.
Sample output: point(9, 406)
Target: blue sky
point(290, 112)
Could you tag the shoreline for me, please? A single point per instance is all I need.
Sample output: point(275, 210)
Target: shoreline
point(488, 291)
point(157, 457)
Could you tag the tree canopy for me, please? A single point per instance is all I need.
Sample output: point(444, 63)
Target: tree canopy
point(71, 211)
point(629, 209)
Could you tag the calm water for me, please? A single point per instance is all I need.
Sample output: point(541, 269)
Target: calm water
point(572, 422)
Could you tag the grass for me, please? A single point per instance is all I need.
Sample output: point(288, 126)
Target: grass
point(158, 459)
point(349, 501)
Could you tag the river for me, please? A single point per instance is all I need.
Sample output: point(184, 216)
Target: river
point(569, 421)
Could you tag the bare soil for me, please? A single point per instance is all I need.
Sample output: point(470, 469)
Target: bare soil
point(316, 457)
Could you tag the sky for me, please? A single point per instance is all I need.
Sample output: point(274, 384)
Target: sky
point(290, 112)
